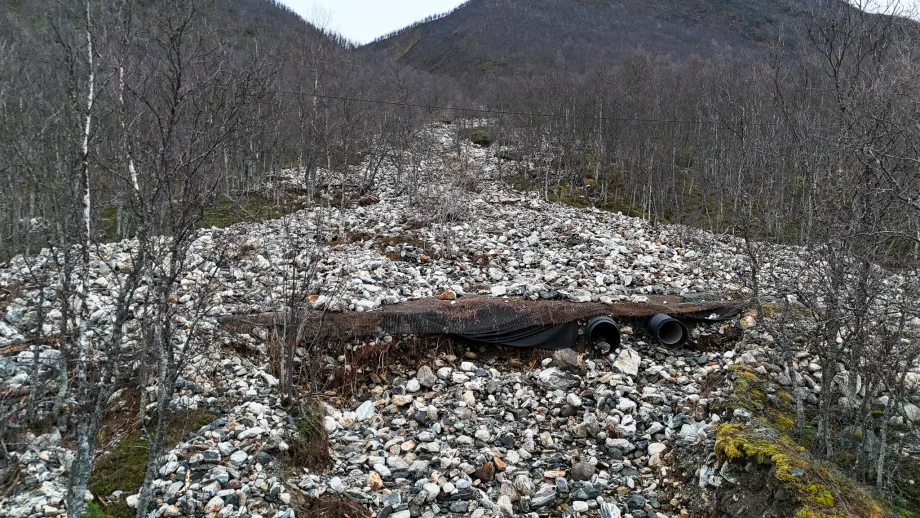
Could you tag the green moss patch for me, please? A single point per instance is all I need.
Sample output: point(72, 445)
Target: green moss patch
point(122, 469)
point(254, 207)
point(770, 438)
point(124, 466)
point(480, 135)
point(94, 510)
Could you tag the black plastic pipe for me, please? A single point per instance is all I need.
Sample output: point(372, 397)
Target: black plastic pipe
point(603, 329)
point(669, 332)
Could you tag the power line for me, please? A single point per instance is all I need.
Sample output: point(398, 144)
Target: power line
point(518, 113)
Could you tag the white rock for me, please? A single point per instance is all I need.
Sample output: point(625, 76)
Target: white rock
point(239, 457)
point(250, 433)
point(912, 412)
point(628, 362)
point(336, 484)
point(656, 448)
point(365, 411)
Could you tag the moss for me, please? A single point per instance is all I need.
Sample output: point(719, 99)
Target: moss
point(819, 488)
point(783, 422)
point(254, 207)
point(480, 135)
point(184, 422)
point(570, 201)
point(122, 469)
point(622, 207)
point(750, 392)
point(93, 510)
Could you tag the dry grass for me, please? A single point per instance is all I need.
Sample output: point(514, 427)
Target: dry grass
point(330, 506)
point(310, 447)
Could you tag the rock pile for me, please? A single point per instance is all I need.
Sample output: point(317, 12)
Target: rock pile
point(465, 433)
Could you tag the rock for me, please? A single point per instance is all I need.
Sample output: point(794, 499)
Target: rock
point(374, 481)
point(567, 359)
point(628, 361)
point(656, 448)
point(214, 505)
point(131, 500)
point(400, 400)
point(486, 473)
point(523, 485)
point(742, 414)
point(635, 501)
point(433, 490)
point(330, 424)
point(426, 377)
point(504, 505)
point(582, 471)
point(250, 433)
point(912, 412)
point(580, 507)
point(543, 497)
point(238, 457)
point(555, 378)
point(336, 484)
point(413, 385)
point(573, 399)
point(626, 405)
point(365, 411)
point(609, 510)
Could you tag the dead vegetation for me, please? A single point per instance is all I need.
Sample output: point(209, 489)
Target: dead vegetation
point(309, 448)
point(329, 506)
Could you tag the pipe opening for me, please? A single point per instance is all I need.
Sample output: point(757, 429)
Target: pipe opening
point(604, 329)
point(671, 333)
point(668, 331)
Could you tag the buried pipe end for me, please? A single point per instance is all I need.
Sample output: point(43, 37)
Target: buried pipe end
point(603, 329)
point(669, 332)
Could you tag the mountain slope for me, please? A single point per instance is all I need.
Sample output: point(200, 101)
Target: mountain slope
point(512, 36)
point(28, 25)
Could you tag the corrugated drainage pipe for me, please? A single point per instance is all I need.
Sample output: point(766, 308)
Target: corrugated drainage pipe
point(670, 332)
point(605, 329)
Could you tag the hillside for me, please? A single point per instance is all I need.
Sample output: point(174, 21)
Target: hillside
point(29, 24)
point(445, 427)
point(509, 36)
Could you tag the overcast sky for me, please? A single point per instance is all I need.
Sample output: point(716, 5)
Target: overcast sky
point(363, 20)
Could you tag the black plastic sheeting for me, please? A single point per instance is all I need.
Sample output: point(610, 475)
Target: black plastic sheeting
point(563, 336)
point(714, 315)
point(551, 337)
